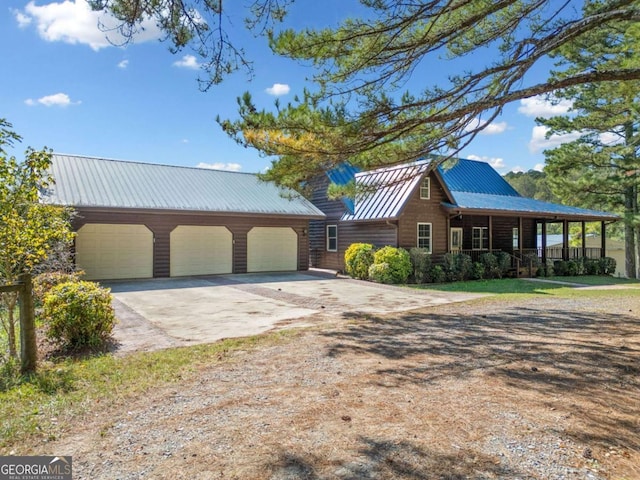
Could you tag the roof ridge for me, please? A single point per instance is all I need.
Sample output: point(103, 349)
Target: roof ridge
point(138, 162)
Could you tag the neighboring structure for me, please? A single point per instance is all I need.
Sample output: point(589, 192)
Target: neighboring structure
point(466, 208)
point(614, 249)
point(139, 220)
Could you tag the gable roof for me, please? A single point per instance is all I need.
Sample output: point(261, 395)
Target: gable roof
point(385, 191)
point(101, 183)
point(472, 186)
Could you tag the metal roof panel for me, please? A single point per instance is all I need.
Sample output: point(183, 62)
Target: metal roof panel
point(96, 182)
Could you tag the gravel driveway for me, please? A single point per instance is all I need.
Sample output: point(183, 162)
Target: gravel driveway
point(543, 389)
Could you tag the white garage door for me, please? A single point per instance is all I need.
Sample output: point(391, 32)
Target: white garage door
point(272, 249)
point(198, 250)
point(111, 251)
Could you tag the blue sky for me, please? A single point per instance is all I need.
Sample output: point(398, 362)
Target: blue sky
point(65, 86)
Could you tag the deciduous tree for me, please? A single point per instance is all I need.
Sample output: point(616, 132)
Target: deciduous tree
point(29, 229)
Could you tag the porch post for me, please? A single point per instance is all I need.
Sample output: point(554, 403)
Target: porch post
point(448, 234)
point(565, 240)
point(544, 245)
point(584, 240)
point(490, 233)
point(603, 239)
point(520, 244)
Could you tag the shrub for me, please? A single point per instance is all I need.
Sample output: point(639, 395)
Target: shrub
point(357, 259)
point(398, 261)
point(491, 268)
point(503, 260)
point(381, 273)
point(591, 266)
point(421, 262)
point(574, 268)
point(79, 314)
point(44, 282)
point(531, 261)
point(607, 266)
point(437, 274)
point(477, 271)
point(560, 267)
point(457, 266)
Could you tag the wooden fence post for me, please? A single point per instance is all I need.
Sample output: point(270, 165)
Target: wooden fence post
point(28, 345)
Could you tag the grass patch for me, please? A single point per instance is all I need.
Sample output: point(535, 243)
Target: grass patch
point(497, 287)
point(506, 286)
point(596, 280)
point(41, 404)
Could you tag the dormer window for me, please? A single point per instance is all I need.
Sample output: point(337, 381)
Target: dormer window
point(425, 189)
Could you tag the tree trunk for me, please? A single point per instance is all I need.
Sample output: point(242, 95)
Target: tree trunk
point(11, 327)
point(629, 234)
point(28, 344)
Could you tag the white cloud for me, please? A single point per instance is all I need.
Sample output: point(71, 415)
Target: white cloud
point(278, 89)
point(232, 167)
point(493, 128)
point(538, 167)
point(73, 21)
point(188, 61)
point(539, 141)
point(495, 162)
point(517, 169)
point(55, 100)
point(22, 19)
point(123, 64)
point(540, 106)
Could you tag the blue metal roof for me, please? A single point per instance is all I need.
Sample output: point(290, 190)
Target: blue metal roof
point(342, 174)
point(518, 204)
point(475, 177)
point(473, 185)
point(97, 182)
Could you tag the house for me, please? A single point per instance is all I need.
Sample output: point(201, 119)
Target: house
point(140, 220)
point(464, 206)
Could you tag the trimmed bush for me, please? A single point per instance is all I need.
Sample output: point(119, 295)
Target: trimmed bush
point(79, 314)
point(437, 274)
point(44, 282)
point(591, 266)
point(503, 260)
point(457, 266)
point(381, 273)
point(421, 262)
point(607, 266)
point(357, 259)
point(477, 271)
point(491, 268)
point(398, 260)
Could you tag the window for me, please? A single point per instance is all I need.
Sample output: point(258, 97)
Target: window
point(424, 236)
point(425, 189)
point(332, 238)
point(515, 235)
point(480, 238)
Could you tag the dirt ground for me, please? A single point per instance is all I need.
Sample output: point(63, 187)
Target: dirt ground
point(489, 389)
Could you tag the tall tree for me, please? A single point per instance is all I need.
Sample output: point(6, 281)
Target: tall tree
point(531, 184)
point(601, 169)
point(357, 109)
point(29, 230)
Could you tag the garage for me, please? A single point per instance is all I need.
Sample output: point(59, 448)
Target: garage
point(114, 251)
point(272, 249)
point(200, 250)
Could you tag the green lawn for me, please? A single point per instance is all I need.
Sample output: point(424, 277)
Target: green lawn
point(522, 286)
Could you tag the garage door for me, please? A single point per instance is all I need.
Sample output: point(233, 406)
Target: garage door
point(197, 250)
point(272, 249)
point(111, 251)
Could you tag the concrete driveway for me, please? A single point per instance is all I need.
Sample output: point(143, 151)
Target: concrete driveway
point(168, 312)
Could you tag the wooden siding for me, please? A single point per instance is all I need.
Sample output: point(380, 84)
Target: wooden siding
point(161, 224)
point(419, 210)
point(502, 230)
